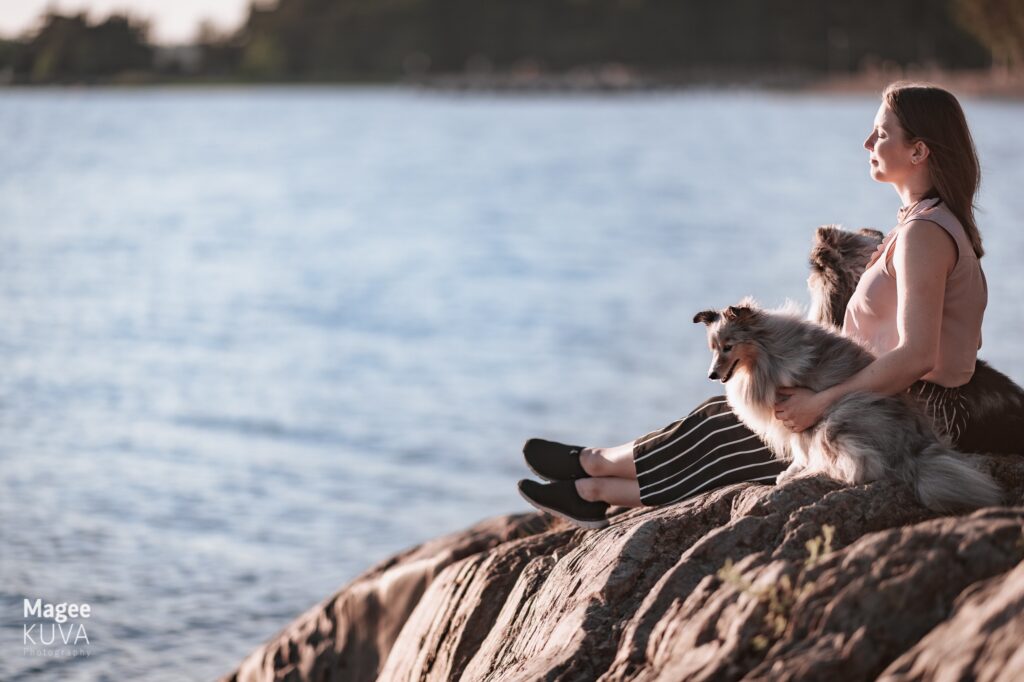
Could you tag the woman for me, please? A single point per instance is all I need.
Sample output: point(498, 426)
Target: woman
point(918, 307)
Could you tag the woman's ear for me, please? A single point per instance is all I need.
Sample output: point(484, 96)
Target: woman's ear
point(919, 153)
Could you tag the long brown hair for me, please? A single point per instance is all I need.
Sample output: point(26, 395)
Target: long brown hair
point(934, 116)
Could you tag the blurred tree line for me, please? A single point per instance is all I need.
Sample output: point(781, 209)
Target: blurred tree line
point(999, 26)
point(388, 39)
point(70, 49)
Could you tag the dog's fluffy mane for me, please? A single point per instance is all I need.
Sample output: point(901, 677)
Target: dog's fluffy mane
point(790, 309)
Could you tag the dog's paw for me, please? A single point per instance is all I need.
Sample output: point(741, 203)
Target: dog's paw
point(787, 475)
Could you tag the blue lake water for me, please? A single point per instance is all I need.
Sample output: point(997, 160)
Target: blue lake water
point(254, 341)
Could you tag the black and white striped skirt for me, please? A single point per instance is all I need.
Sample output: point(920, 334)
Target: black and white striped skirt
point(710, 447)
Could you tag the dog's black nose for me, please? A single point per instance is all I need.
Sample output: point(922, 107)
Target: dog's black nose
point(713, 376)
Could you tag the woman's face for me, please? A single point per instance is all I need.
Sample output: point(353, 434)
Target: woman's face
point(891, 156)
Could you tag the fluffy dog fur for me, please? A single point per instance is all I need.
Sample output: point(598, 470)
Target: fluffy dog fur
point(995, 403)
point(862, 437)
point(838, 259)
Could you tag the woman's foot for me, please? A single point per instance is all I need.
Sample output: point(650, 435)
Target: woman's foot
point(554, 461)
point(561, 499)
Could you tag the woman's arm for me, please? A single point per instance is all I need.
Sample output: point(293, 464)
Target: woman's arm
point(923, 256)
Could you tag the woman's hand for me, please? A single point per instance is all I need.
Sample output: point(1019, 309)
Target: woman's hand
point(799, 408)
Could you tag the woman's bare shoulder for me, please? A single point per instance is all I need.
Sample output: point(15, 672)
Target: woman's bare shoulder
point(927, 242)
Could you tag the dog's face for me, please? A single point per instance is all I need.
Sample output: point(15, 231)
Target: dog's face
point(731, 339)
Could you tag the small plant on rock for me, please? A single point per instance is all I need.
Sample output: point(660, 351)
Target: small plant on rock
point(779, 599)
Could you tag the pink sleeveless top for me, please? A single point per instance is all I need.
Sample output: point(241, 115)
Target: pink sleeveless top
point(871, 312)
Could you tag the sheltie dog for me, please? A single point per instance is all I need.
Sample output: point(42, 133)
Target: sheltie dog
point(862, 436)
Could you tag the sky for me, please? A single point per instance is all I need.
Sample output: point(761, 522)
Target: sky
point(172, 21)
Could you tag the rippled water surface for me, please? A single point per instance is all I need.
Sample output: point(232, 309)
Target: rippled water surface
point(254, 341)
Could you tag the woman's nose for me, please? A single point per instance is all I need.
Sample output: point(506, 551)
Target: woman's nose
point(869, 143)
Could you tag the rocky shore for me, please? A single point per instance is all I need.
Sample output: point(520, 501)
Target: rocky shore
point(809, 580)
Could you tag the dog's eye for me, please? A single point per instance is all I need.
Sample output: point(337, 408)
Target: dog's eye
point(727, 347)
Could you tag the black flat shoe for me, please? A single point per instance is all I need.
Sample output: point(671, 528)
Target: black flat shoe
point(554, 461)
point(561, 499)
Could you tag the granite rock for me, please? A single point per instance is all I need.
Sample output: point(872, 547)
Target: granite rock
point(808, 580)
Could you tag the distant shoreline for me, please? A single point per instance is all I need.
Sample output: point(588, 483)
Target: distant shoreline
point(613, 79)
point(981, 83)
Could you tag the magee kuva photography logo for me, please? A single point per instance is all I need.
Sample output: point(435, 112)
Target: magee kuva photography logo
point(55, 630)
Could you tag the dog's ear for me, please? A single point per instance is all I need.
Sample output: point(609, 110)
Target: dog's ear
point(706, 316)
point(870, 232)
point(825, 257)
point(828, 235)
point(738, 313)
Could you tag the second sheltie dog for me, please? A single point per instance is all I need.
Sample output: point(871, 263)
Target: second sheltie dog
point(861, 437)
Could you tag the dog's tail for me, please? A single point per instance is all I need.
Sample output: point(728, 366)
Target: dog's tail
point(946, 481)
